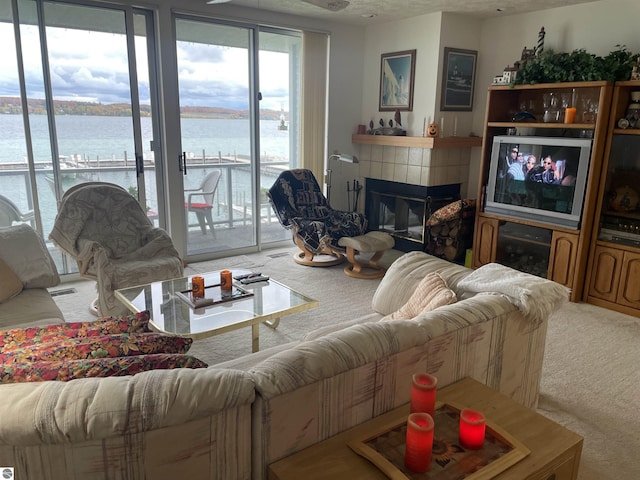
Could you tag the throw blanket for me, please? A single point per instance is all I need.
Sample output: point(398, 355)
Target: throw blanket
point(108, 233)
point(535, 297)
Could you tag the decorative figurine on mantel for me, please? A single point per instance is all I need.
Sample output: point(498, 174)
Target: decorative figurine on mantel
point(433, 130)
point(390, 130)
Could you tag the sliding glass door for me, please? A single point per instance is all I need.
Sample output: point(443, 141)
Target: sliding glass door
point(76, 100)
point(235, 88)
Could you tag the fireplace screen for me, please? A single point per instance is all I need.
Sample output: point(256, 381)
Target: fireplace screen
point(403, 209)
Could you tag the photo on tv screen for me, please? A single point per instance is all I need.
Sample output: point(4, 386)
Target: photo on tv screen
point(538, 178)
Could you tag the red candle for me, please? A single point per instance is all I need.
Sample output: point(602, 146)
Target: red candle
point(423, 393)
point(472, 427)
point(419, 443)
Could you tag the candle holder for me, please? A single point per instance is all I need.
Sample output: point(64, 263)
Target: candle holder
point(472, 429)
point(419, 442)
point(385, 443)
point(423, 393)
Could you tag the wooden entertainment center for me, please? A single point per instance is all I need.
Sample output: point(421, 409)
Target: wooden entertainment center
point(597, 264)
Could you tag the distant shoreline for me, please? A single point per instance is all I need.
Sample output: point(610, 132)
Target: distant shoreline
point(13, 106)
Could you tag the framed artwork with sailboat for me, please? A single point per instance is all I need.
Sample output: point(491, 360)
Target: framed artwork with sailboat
point(458, 79)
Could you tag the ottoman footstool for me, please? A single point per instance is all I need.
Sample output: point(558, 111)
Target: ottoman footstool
point(376, 242)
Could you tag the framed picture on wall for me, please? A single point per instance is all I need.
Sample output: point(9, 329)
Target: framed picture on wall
point(458, 79)
point(397, 76)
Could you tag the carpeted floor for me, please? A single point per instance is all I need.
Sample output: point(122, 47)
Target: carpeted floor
point(590, 380)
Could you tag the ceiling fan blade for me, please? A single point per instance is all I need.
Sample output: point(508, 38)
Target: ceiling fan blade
point(333, 5)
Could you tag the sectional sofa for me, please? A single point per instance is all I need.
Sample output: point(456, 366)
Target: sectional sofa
point(230, 421)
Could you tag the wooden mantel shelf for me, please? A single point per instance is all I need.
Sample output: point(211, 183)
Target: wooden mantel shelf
point(418, 142)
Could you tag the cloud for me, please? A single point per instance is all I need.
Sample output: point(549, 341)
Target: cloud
point(93, 65)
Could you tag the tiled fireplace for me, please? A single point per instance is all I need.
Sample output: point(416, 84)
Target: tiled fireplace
point(402, 209)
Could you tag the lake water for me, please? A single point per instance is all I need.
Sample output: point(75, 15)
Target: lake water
point(109, 137)
point(98, 137)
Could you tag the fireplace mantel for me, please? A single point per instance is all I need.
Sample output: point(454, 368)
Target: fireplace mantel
point(417, 142)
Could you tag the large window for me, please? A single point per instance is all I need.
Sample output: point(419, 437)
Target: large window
point(80, 101)
point(239, 89)
point(76, 104)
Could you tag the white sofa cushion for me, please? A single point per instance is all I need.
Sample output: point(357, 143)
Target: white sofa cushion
point(406, 272)
point(32, 307)
point(27, 255)
point(10, 283)
point(432, 292)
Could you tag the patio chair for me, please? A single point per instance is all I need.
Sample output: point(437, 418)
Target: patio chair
point(108, 233)
point(10, 213)
point(301, 207)
point(204, 193)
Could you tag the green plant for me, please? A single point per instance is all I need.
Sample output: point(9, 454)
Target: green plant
point(577, 66)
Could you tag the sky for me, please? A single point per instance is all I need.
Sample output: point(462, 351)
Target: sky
point(92, 66)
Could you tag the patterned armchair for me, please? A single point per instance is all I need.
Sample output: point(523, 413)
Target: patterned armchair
point(301, 207)
point(108, 233)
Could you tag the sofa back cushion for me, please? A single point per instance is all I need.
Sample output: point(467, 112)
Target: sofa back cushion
point(10, 283)
point(405, 274)
point(25, 253)
point(432, 292)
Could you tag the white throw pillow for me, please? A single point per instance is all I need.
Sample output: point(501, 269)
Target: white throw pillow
point(432, 292)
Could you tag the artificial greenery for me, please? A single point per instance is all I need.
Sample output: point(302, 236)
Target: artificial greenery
point(577, 66)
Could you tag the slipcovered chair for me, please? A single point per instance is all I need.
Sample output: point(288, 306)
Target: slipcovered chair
point(203, 203)
point(108, 233)
point(301, 207)
point(10, 213)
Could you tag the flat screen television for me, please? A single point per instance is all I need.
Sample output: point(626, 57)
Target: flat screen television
point(541, 179)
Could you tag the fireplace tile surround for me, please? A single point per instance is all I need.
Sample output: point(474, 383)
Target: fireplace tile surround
point(417, 166)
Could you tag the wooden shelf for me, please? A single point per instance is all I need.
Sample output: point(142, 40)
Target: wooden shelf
point(418, 142)
point(556, 125)
point(553, 86)
point(626, 131)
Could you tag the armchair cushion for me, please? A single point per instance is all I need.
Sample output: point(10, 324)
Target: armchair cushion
point(65, 370)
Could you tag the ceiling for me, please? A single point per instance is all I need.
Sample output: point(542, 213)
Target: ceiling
point(365, 12)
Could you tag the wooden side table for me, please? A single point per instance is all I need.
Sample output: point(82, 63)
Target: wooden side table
point(555, 451)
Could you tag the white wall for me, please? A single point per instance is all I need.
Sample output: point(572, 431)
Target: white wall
point(419, 33)
point(596, 27)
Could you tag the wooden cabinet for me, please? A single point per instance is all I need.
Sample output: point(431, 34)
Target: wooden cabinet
point(561, 254)
point(607, 265)
point(485, 241)
point(564, 254)
point(615, 279)
point(614, 270)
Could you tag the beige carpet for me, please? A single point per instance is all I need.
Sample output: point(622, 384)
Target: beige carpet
point(590, 380)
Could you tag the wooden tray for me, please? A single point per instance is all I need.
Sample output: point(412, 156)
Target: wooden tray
point(450, 461)
point(212, 296)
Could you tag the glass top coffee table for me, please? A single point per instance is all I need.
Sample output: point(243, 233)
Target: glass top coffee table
point(264, 302)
